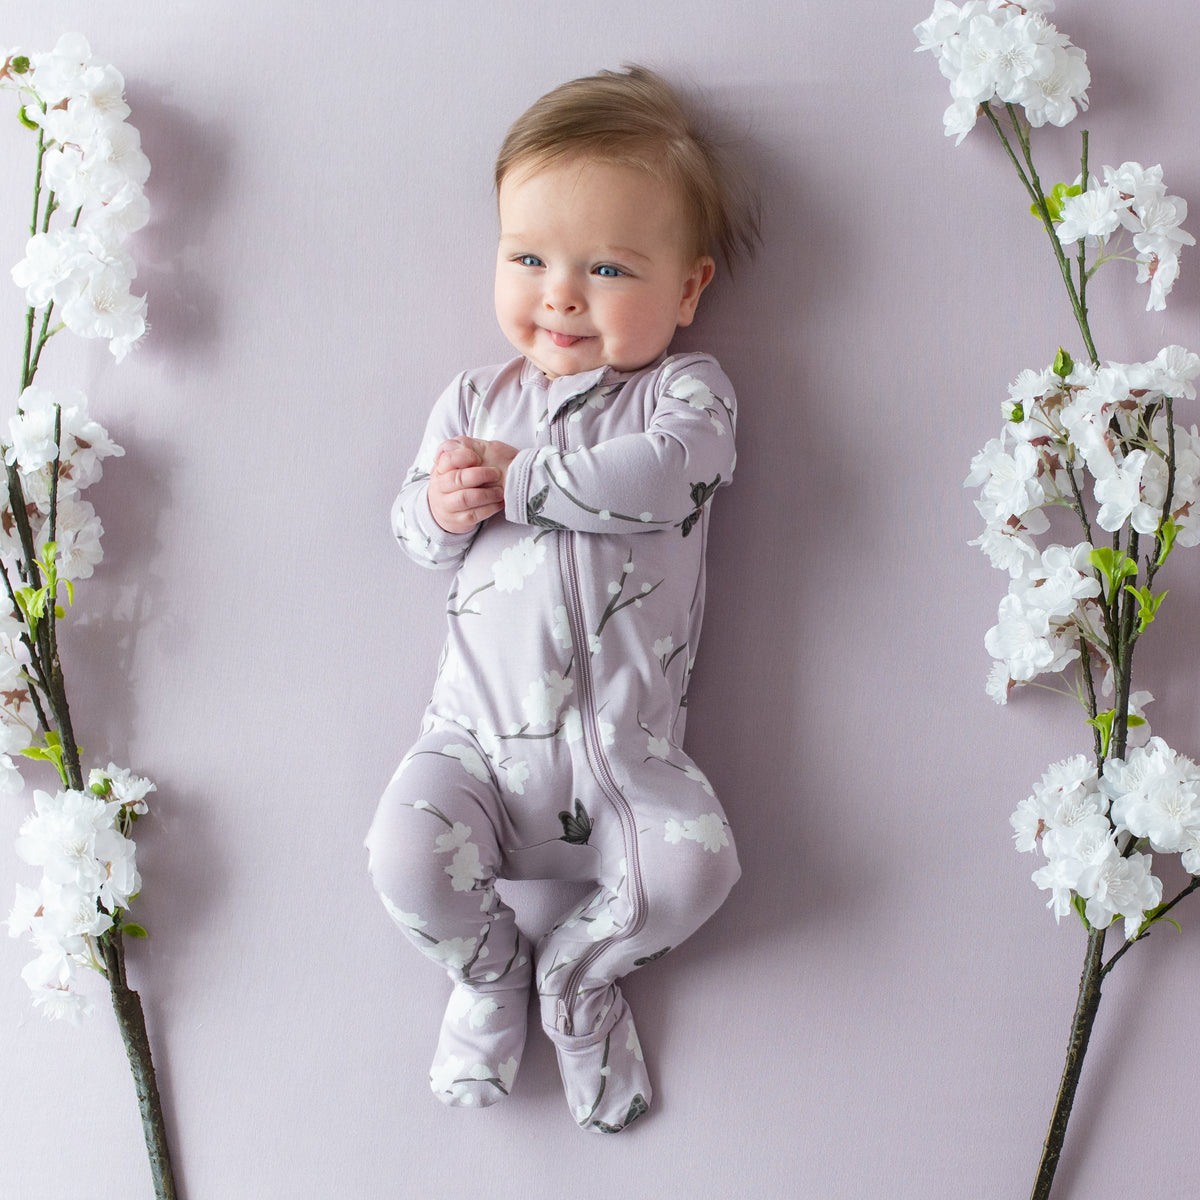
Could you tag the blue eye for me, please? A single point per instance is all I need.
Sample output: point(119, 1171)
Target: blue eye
point(530, 260)
point(609, 272)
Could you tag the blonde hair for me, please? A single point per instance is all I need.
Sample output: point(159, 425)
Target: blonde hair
point(634, 118)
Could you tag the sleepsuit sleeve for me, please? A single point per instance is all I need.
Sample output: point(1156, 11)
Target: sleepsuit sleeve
point(421, 537)
point(657, 479)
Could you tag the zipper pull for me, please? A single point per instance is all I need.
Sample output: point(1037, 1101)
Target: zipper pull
point(562, 1017)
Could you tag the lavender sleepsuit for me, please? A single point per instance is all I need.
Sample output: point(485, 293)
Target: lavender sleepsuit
point(552, 745)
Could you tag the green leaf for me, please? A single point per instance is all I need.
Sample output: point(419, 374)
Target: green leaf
point(1080, 906)
point(1167, 532)
point(20, 64)
point(1063, 363)
point(1018, 414)
point(25, 120)
point(1148, 604)
point(1056, 197)
point(1103, 722)
point(51, 752)
point(1113, 565)
point(129, 929)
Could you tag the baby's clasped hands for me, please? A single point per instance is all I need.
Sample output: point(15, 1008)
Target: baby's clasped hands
point(466, 485)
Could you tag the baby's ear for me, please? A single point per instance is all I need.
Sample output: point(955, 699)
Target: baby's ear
point(698, 278)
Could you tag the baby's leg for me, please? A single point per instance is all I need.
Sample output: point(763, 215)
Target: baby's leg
point(433, 859)
point(667, 871)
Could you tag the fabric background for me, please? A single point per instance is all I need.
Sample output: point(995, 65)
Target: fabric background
point(882, 1006)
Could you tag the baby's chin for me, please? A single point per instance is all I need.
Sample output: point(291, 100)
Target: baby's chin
point(581, 356)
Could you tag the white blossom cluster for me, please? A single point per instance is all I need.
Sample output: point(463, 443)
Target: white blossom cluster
point(1077, 822)
point(89, 875)
point(95, 170)
point(1004, 51)
point(1095, 418)
point(1085, 825)
point(1132, 198)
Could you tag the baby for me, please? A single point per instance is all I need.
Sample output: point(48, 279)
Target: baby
point(570, 488)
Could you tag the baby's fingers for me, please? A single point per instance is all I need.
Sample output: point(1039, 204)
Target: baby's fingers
point(455, 454)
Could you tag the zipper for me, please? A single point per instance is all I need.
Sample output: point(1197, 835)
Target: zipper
point(597, 758)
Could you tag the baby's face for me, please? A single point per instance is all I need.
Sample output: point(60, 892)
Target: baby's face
point(594, 267)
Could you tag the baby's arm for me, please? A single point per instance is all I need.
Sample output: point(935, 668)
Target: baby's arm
point(429, 480)
point(642, 482)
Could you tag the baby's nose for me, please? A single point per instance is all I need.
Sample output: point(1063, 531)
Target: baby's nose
point(561, 296)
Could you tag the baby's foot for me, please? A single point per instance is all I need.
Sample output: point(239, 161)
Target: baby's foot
point(604, 1075)
point(479, 1049)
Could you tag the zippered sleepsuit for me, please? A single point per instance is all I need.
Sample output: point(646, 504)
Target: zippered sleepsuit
point(552, 745)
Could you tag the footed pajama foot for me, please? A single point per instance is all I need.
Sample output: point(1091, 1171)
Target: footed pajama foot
point(604, 1075)
point(479, 1049)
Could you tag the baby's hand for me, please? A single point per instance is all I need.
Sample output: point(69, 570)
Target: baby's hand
point(487, 454)
point(463, 488)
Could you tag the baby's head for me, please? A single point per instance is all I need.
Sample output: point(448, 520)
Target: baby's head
point(612, 206)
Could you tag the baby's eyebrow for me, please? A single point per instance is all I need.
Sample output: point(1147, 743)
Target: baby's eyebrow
point(624, 252)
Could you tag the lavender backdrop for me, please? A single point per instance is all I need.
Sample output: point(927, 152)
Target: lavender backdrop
point(881, 1007)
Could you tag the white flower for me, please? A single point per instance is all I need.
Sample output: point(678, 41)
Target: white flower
point(455, 953)
point(560, 627)
point(472, 763)
point(631, 1041)
point(1120, 497)
point(443, 1075)
point(107, 309)
point(602, 926)
point(691, 390)
point(465, 869)
point(999, 683)
point(663, 646)
point(1010, 482)
point(507, 1072)
point(1091, 216)
point(708, 830)
point(516, 563)
point(658, 747)
point(1174, 370)
point(60, 837)
point(545, 697)
point(125, 787)
point(455, 839)
point(1024, 641)
point(1122, 887)
point(1058, 96)
point(515, 777)
point(1156, 795)
point(407, 919)
point(571, 728)
point(77, 537)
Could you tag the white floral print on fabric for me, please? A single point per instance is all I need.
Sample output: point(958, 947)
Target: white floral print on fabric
point(516, 563)
point(455, 953)
point(560, 628)
point(408, 920)
point(545, 698)
point(465, 869)
point(708, 830)
point(472, 763)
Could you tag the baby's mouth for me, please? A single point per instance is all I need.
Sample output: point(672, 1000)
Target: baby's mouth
point(563, 340)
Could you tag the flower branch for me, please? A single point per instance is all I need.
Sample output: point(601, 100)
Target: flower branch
point(76, 274)
point(1106, 436)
